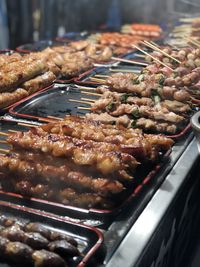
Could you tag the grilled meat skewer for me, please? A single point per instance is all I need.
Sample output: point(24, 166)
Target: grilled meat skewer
point(107, 160)
point(50, 174)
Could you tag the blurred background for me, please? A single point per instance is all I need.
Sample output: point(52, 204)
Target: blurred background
point(24, 21)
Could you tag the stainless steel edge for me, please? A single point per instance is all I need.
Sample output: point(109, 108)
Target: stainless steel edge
point(132, 246)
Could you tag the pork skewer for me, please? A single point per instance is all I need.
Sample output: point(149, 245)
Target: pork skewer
point(49, 174)
point(106, 161)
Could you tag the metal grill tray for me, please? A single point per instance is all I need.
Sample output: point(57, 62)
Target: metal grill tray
point(38, 46)
point(54, 102)
point(84, 78)
point(89, 239)
point(146, 182)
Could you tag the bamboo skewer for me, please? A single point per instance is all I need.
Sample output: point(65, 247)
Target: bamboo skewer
point(12, 131)
point(102, 81)
point(194, 42)
point(124, 70)
point(4, 134)
point(84, 108)
point(139, 55)
point(3, 142)
point(46, 120)
point(55, 118)
point(88, 99)
point(89, 93)
point(85, 87)
point(130, 61)
point(80, 101)
point(101, 76)
point(197, 42)
point(135, 46)
point(27, 125)
point(161, 51)
point(4, 150)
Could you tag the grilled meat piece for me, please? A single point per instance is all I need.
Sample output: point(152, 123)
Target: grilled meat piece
point(26, 188)
point(3, 244)
point(5, 221)
point(44, 258)
point(13, 75)
point(7, 59)
point(63, 248)
point(18, 252)
point(13, 233)
point(67, 196)
point(8, 98)
point(85, 200)
point(49, 234)
point(35, 240)
point(107, 160)
point(39, 82)
point(55, 236)
point(38, 228)
point(142, 123)
point(50, 174)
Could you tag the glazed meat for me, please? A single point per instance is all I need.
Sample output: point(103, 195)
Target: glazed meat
point(20, 73)
point(18, 252)
point(39, 82)
point(63, 248)
point(44, 258)
point(81, 152)
point(8, 98)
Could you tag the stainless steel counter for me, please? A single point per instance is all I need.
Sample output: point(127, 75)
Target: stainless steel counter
point(138, 239)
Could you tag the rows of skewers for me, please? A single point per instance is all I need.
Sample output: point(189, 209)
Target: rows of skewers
point(187, 31)
point(160, 99)
point(33, 244)
point(78, 162)
point(23, 75)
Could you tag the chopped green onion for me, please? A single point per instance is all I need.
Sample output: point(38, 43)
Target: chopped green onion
point(136, 113)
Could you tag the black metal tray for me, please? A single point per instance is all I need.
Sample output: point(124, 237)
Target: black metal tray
point(73, 36)
point(38, 46)
point(89, 239)
point(54, 102)
point(146, 182)
point(84, 78)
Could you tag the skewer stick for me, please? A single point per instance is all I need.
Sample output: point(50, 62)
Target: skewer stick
point(135, 46)
point(46, 120)
point(192, 41)
point(102, 81)
point(80, 101)
point(55, 118)
point(161, 51)
point(130, 61)
point(27, 125)
point(4, 150)
point(88, 99)
point(4, 134)
point(86, 88)
point(89, 93)
point(139, 55)
point(101, 76)
point(84, 108)
point(197, 42)
point(3, 142)
point(124, 70)
point(12, 131)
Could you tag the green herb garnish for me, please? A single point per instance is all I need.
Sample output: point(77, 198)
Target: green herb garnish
point(110, 106)
point(136, 113)
point(124, 97)
point(134, 124)
point(161, 80)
